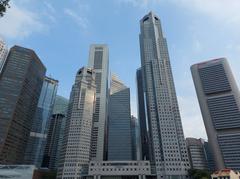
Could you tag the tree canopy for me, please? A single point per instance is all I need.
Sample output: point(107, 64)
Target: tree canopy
point(4, 4)
point(199, 174)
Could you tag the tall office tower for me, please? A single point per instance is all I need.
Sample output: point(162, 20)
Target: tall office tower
point(119, 124)
point(98, 60)
point(218, 97)
point(197, 154)
point(144, 131)
point(168, 153)
point(3, 53)
point(38, 135)
point(55, 134)
point(209, 156)
point(135, 137)
point(20, 87)
point(79, 126)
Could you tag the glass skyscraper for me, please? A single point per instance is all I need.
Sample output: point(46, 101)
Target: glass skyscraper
point(38, 135)
point(119, 124)
point(20, 87)
point(55, 133)
point(218, 97)
point(167, 147)
point(143, 124)
point(135, 135)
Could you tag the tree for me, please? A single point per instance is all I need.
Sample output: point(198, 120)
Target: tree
point(199, 174)
point(4, 4)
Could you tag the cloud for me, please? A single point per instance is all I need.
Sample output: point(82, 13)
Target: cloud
point(80, 20)
point(223, 11)
point(20, 23)
point(191, 117)
point(50, 7)
point(139, 3)
point(49, 12)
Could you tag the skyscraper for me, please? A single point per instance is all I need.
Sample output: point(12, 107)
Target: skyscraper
point(119, 124)
point(20, 87)
point(197, 153)
point(142, 107)
point(218, 97)
point(55, 133)
point(209, 156)
point(135, 138)
point(77, 142)
point(168, 153)
point(98, 60)
point(38, 135)
point(3, 53)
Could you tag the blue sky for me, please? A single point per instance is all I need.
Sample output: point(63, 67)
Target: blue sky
point(61, 31)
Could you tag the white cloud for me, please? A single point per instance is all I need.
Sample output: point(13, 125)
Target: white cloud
point(80, 20)
point(20, 23)
point(50, 7)
point(191, 117)
point(139, 3)
point(224, 11)
point(50, 12)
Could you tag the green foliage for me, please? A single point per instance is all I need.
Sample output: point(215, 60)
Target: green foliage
point(4, 4)
point(199, 174)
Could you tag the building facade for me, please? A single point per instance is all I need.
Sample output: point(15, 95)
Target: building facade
point(38, 135)
point(55, 134)
point(119, 170)
point(77, 142)
point(168, 152)
point(218, 97)
point(98, 60)
point(20, 87)
point(119, 124)
point(17, 171)
point(134, 137)
point(3, 53)
point(197, 154)
point(143, 124)
point(209, 156)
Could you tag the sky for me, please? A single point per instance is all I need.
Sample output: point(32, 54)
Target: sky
point(60, 32)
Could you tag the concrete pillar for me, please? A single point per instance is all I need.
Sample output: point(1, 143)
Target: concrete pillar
point(139, 177)
point(144, 176)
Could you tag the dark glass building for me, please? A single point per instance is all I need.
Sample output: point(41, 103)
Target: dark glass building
point(20, 87)
point(142, 116)
point(38, 135)
point(119, 124)
point(55, 133)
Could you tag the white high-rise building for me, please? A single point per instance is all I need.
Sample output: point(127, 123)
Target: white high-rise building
point(168, 153)
point(3, 53)
point(98, 60)
point(77, 140)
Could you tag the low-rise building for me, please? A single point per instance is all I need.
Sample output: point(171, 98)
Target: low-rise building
point(225, 174)
point(17, 171)
point(119, 169)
